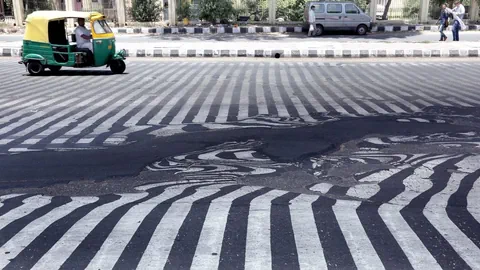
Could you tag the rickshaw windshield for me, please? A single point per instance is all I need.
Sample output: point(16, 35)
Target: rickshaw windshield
point(101, 27)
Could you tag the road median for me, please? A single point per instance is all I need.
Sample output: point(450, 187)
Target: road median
point(273, 49)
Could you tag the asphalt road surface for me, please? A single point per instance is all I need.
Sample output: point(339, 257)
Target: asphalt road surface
point(427, 36)
point(261, 164)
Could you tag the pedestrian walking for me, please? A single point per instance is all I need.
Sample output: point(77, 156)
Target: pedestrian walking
point(443, 22)
point(458, 12)
point(311, 21)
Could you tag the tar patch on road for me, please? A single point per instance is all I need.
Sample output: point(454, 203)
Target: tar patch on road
point(249, 151)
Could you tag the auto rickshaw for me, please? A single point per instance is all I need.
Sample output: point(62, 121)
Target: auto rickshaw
point(46, 44)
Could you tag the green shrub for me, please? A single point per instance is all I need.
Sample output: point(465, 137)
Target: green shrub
point(213, 10)
point(145, 10)
point(184, 10)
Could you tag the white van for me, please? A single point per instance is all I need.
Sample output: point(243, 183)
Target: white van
point(331, 15)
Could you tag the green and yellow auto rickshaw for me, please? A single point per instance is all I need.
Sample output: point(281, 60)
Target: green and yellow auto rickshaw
point(46, 44)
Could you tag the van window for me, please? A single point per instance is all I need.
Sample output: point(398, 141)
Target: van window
point(334, 8)
point(351, 9)
point(320, 8)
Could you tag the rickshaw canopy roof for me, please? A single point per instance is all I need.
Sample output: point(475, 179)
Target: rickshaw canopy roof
point(37, 22)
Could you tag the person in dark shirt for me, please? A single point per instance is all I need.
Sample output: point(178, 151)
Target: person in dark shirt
point(443, 22)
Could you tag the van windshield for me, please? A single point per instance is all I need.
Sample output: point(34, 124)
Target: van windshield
point(101, 27)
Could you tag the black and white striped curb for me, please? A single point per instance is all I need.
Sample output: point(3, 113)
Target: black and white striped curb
point(288, 53)
point(269, 29)
point(255, 29)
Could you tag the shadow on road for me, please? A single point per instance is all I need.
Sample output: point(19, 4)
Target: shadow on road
point(61, 73)
point(332, 36)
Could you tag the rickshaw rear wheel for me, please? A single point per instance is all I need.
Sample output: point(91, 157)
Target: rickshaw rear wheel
point(118, 66)
point(55, 69)
point(35, 68)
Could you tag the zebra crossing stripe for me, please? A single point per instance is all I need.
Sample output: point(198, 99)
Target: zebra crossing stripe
point(164, 235)
point(65, 246)
point(64, 116)
point(22, 239)
point(258, 249)
point(124, 230)
point(211, 237)
point(224, 223)
point(440, 220)
point(309, 248)
point(29, 205)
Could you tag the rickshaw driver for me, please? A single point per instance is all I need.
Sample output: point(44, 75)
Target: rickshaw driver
point(83, 35)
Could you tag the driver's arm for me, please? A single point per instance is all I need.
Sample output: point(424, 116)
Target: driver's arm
point(86, 37)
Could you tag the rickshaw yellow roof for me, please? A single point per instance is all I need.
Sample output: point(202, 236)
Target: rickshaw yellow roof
point(49, 15)
point(37, 22)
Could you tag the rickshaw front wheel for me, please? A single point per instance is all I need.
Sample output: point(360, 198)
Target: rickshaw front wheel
point(117, 66)
point(35, 68)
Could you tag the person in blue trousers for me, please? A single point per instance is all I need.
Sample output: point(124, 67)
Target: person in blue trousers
point(459, 10)
point(443, 22)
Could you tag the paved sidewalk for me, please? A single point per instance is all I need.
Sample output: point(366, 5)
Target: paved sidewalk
point(280, 49)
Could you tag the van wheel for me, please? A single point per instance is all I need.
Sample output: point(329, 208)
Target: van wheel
point(319, 31)
point(35, 68)
point(117, 66)
point(55, 69)
point(362, 30)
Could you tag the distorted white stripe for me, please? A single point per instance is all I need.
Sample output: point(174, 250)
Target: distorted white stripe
point(122, 233)
point(222, 115)
point(260, 91)
point(321, 187)
point(338, 91)
point(66, 245)
point(124, 96)
point(10, 196)
point(192, 99)
point(156, 254)
point(374, 106)
point(380, 86)
point(202, 114)
point(461, 103)
point(47, 120)
point(243, 104)
point(30, 204)
point(108, 123)
point(211, 237)
point(435, 211)
point(446, 87)
point(179, 94)
point(309, 248)
point(258, 252)
point(415, 184)
point(69, 94)
point(248, 155)
point(473, 200)
point(410, 86)
point(297, 103)
point(417, 254)
point(276, 96)
point(30, 89)
point(359, 244)
point(364, 191)
point(308, 95)
point(381, 175)
point(172, 74)
point(316, 87)
point(23, 238)
point(344, 85)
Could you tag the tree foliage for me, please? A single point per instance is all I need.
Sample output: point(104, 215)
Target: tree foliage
point(145, 10)
point(213, 10)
